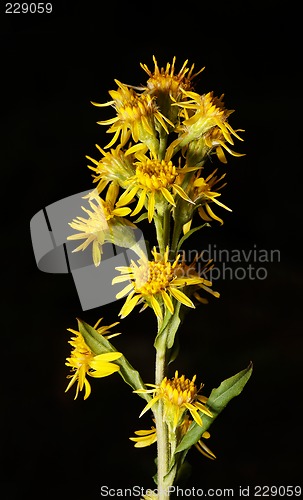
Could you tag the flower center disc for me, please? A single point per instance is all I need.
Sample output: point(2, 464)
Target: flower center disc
point(153, 277)
point(155, 175)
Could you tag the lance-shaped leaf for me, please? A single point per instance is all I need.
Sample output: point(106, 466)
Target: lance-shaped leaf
point(99, 345)
point(189, 233)
point(169, 327)
point(217, 401)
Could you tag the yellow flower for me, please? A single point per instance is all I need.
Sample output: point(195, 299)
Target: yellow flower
point(84, 362)
point(155, 283)
point(137, 115)
point(215, 139)
point(166, 85)
point(115, 166)
point(154, 182)
point(179, 395)
point(98, 227)
point(201, 114)
point(203, 192)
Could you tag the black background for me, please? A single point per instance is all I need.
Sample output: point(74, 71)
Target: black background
point(52, 67)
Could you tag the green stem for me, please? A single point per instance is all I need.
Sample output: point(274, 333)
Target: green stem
point(165, 442)
point(160, 233)
point(163, 143)
point(179, 216)
point(162, 430)
point(176, 236)
point(166, 227)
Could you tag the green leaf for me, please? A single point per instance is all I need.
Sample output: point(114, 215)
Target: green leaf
point(217, 401)
point(142, 217)
point(189, 233)
point(100, 345)
point(169, 327)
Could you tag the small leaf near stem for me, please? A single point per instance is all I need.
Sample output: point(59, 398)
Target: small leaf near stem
point(99, 345)
point(217, 401)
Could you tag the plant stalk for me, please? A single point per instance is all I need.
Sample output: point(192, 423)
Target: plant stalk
point(163, 452)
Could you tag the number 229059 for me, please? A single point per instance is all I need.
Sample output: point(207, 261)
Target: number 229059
point(28, 8)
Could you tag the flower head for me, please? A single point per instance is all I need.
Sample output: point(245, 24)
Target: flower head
point(114, 166)
point(179, 395)
point(99, 226)
point(215, 141)
point(84, 362)
point(137, 115)
point(203, 192)
point(155, 283)
point(155, 182)
point(167, 85)
point(205, 115)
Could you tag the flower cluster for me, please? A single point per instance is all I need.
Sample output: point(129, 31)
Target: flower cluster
point(163, 134)
point(155, 168)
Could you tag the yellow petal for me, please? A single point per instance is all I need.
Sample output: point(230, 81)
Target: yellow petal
point(203, 409)
point(87, 388)
point(182, 193)
point(221, 204)
point(96, 253)
point(127, 196)
point(120, 279)
point(149, 405)
point(204, 449)
point(195, 416)
point(181, 297)
point(144, 432)
point(203, 214)
point(121, 212)
point(221, 155)
point(212, 214)
point(129, 306)
point(186, 227)
point(105, 371)
point(108, 356)
point(135, 148)
point(156, 307)
point(168, 196)
point(125, 290)
point(167, 301)
point(140, 203)
point(151, 207)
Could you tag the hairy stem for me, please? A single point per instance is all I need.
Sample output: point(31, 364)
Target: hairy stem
point(163, 453)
